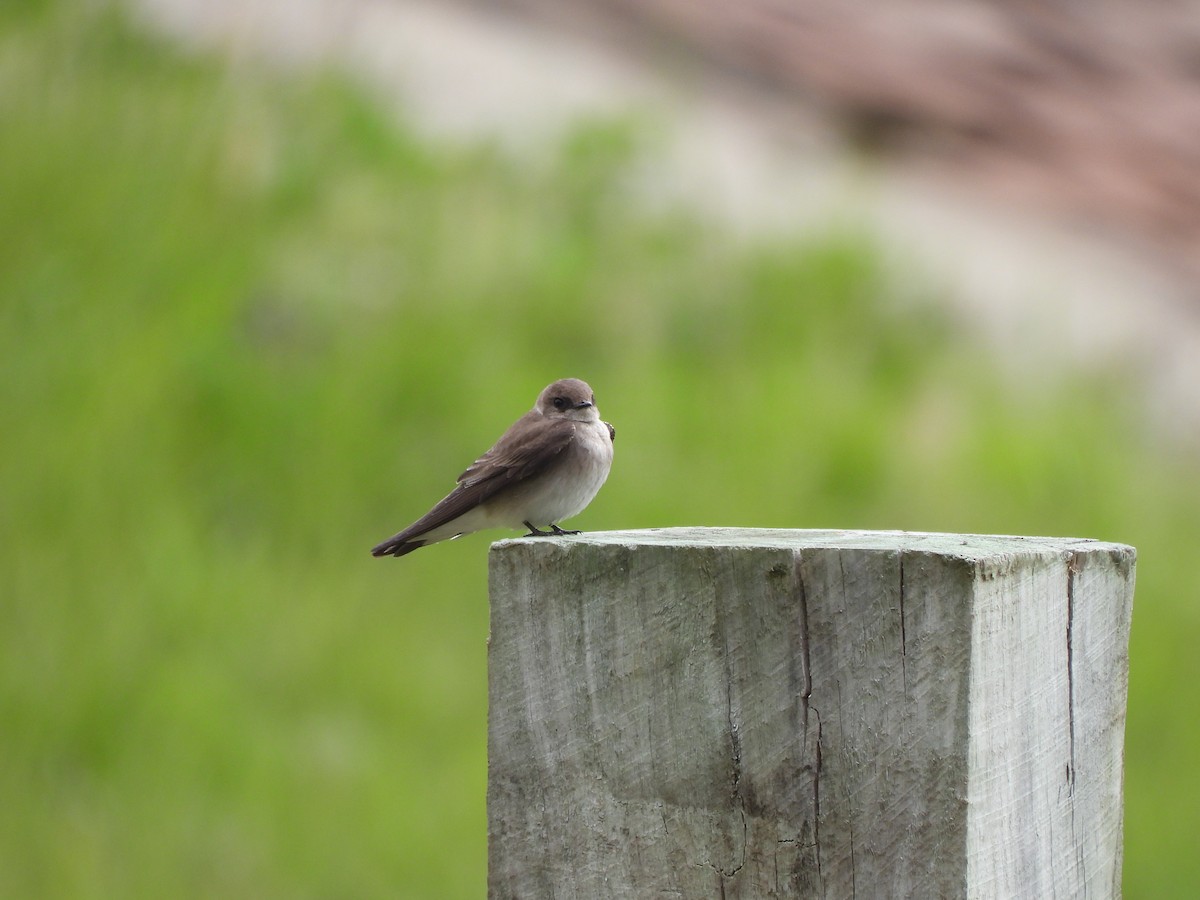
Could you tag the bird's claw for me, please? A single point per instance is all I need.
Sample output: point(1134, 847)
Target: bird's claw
point(554, 531)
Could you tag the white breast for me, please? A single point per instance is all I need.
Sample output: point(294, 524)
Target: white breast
point(592, 460)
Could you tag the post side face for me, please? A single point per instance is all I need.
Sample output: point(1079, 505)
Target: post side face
point(1101, 588)
point(889, 643)
point(1047, 711)
point(622, 765)
point(752, 722)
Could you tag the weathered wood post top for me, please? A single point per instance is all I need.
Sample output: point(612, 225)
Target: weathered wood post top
point(721, 712)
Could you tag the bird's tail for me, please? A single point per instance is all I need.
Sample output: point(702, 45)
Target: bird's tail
point(396, 546)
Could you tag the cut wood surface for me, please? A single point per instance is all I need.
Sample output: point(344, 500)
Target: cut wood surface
point(767, 713)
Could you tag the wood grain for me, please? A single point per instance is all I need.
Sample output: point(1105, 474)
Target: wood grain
point(760, 713)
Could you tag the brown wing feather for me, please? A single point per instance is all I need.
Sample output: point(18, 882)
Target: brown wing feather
point(526, 449)
point(531, 445)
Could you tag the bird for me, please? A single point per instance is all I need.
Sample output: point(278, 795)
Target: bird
point(547, 467)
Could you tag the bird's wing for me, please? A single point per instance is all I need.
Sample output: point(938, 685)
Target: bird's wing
point(528, 448)
point(531, 446)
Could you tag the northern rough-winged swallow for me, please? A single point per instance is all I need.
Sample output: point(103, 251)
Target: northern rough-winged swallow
point(547, 467)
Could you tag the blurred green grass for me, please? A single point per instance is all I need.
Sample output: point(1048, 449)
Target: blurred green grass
point(249, 326)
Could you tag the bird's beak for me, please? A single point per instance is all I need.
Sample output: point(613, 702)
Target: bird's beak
point(583, 404)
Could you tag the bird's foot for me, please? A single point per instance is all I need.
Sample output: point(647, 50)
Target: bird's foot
point(554, 530)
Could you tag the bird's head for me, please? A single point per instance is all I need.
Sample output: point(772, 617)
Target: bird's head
point(569, 398)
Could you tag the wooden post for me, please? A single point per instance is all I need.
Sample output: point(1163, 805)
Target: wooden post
point(755, 713)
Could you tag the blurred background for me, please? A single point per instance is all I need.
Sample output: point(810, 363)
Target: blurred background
point(272, 274)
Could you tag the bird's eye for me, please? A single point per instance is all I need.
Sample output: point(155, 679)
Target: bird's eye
point(560, 402)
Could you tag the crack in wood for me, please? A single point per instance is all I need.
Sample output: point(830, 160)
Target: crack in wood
point(903, 634)
point(1073, 569)
point(806, 707)
point(816, 800)
point(805, 656)
point(735, 749)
